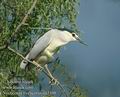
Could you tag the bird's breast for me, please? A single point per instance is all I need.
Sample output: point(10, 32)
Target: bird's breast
point(47, 54)
point(44, 57)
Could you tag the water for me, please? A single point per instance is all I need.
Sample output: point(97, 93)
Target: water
point(97, 66)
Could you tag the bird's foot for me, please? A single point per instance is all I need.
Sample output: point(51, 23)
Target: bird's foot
point(39, 68)
point(54, 81)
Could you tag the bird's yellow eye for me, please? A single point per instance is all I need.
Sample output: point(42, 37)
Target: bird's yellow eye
point(73, 34)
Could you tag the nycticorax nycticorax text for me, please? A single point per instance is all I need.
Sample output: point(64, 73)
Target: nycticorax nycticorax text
point(47, 45)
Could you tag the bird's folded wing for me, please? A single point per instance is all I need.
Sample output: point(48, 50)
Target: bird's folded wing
point(39, 46)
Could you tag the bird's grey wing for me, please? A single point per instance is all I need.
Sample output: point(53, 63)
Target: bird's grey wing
point(39, 46)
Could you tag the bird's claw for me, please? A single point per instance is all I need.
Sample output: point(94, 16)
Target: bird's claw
point(54, 81)
point(39, 68)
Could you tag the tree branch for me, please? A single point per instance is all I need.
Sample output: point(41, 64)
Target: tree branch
point(24, 19)
point(18, 27)
point(41, 68)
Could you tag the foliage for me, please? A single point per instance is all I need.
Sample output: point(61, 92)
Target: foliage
point(46, 14)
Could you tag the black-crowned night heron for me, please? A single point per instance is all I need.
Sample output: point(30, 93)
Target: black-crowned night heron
point(47, 45)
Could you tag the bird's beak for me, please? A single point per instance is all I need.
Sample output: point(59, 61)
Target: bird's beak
point(81, 41)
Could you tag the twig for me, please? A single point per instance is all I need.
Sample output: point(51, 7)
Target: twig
point(24, 19)
point(42, 69)
point(18, 27)
point(63, 90)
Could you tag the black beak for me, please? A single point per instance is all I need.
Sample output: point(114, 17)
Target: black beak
point(82, 42)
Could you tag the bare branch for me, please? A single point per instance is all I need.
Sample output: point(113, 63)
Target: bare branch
point(41, 68)
point(18, 27)
point(24, 19)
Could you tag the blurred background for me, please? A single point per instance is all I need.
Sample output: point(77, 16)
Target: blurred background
point(97, 66)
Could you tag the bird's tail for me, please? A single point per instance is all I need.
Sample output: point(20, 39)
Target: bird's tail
point(24, 63)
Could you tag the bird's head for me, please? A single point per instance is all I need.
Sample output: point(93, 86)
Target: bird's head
point(75, 37)
point(71, 36)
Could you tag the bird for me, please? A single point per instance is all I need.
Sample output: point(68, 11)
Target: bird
point(48, 45)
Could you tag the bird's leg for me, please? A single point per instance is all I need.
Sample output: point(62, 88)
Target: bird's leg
point(53, 81)
point(38, 66)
